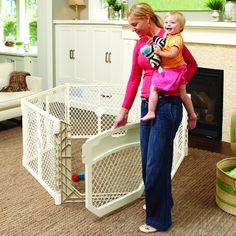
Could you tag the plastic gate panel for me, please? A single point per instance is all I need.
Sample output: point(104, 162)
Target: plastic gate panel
point(113, 169)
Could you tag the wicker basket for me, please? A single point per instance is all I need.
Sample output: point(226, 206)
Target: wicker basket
point(226, 185)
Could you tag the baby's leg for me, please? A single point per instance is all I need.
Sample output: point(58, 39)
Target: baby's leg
point(192, 117)
point(152, 103)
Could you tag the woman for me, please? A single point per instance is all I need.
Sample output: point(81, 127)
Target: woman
point(156, 136)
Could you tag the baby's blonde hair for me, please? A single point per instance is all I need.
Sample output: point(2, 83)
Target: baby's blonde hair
point(179, 18)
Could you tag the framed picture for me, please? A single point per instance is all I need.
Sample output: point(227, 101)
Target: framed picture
point(177, 5)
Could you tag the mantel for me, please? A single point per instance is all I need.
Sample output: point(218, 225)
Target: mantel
point(203, 32)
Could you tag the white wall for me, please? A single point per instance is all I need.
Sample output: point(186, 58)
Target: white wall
point(62, 11)
point(45, 63)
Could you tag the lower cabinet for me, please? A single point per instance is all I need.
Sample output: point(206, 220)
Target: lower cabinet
point(22, 63)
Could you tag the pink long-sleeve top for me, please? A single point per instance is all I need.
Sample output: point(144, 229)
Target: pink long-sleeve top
point(142, 70)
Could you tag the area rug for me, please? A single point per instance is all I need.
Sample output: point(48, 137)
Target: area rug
point(26, 209)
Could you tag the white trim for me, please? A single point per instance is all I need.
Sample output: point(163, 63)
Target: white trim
point(222, 33)
point(45, 42)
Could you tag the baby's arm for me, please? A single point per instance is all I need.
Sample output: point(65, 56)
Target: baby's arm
point(170, 54)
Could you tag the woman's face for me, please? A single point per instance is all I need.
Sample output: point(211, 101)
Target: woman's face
point(140, 26)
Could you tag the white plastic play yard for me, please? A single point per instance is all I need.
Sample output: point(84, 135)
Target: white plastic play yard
point(55, 119)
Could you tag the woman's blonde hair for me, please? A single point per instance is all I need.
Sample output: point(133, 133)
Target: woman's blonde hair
point(141, 10)
point(179, 18)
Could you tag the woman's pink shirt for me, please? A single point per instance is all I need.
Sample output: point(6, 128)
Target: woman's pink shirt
point(142, 70)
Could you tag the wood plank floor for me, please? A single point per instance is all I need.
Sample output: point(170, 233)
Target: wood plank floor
point(209, 144)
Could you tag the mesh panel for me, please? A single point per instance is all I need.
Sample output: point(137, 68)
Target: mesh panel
point(39, 146)
point(93, 109)
point(115, 176)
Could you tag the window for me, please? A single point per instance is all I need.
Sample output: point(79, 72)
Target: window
point(18, 21)
point(8, 15)
point(31, 13)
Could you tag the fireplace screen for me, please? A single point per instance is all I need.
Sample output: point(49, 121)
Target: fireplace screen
point(206, 89)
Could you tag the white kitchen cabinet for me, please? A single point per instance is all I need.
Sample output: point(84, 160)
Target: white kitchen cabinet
point(73, 54)
point(107, 54)
point(128, 46)
point(31, 65)
point(18, 61)
point(88, 54)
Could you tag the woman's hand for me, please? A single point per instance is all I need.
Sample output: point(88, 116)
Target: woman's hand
point(121, 118)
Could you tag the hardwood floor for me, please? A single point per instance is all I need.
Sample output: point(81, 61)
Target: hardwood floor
point(210, 145)
point(8, 124)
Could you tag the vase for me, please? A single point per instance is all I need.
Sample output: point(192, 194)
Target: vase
point(217, 15)
point(230, 11)
point(117, 15)
point(110, 13)
point(124, 11)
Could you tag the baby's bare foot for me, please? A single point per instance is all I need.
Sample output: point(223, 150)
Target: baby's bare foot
point(148, 117)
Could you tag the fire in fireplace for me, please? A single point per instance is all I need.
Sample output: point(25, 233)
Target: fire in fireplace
point(206, 89)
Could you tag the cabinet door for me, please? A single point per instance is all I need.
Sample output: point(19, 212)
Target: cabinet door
point(2, 58)
point(31, 65)
point(64, 54)
point(107, 55)
point(128, 47)
point(116, 57)
point(100, 55)
point(73, 52)
point(83, 54)
point(18, 62)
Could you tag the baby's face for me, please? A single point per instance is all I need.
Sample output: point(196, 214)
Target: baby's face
point(172, 25)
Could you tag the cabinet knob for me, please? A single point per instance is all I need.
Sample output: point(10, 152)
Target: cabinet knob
point(106, 96)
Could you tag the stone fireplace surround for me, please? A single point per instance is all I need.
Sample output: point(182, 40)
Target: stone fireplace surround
point(213, 44)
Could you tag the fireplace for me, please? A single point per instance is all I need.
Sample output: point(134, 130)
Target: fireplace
point(206, 89)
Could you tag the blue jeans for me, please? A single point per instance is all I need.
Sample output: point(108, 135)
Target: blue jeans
point(156, 139)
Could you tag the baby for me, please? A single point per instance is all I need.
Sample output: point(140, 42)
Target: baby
point(171, 74)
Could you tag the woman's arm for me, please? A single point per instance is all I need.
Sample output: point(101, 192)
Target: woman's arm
point(191, 63)
point(131, 89)
point(134, 79)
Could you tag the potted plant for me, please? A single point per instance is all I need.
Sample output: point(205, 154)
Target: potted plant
point(110, 9)
point(217, 7)
point(117, 7)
